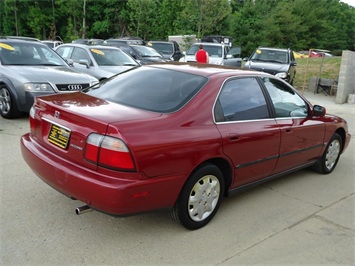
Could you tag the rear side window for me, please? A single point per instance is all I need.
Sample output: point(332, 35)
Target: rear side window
point(153, 89)
point(241, 99)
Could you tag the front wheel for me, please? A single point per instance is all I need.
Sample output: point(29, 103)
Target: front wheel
point(200, 198)
point(8, 107)
point(330, 157)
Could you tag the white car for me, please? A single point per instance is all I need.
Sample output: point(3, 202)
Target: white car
point(219, 54)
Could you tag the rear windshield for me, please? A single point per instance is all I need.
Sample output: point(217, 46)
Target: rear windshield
point(150, 88)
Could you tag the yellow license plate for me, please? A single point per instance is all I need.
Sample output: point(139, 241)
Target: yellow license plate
point(59, 136)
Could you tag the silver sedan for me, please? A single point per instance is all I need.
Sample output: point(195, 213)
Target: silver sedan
point(29, 68)
point(100, 62)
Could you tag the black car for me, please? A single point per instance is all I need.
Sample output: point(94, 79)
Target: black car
point(169, 49)
point(276, 61)
point(141, 53)
point(124, 40)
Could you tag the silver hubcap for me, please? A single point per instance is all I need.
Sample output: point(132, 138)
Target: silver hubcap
point(332, 154)
point(4, 101)
point(203, 198)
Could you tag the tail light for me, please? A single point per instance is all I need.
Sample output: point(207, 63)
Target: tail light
point(32, 120)
point(108, 152)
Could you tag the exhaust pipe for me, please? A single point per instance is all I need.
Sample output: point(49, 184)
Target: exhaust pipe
point(82, 209)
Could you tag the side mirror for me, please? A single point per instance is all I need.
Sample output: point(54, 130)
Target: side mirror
point(84, 62)
point(69, 61)
point(229, 56)
point(245, 59)
point(319, 110)
point(293, 63)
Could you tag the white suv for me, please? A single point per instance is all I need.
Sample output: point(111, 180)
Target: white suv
point(219, 54)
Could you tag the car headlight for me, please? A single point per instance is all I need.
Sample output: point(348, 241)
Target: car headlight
point(282, 75)
point(38, 87)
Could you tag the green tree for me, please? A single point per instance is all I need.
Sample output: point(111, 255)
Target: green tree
point(142, 21)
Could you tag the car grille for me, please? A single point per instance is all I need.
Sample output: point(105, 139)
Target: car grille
point(72, 87)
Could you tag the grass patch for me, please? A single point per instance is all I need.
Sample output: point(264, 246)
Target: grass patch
point(328, 69)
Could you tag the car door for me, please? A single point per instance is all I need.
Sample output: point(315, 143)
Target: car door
point(83, 61)
point(301, 136)
point(251, 138)
point(293, 65)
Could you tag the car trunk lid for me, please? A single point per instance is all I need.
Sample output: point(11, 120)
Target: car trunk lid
point(62, 124)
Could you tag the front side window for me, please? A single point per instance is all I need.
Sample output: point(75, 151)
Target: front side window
point(80, 54)
point(286, 101)
point(241, 99)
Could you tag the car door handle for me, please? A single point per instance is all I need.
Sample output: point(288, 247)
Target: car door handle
point(233, 137)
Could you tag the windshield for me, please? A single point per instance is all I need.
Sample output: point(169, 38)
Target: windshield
point(153, 89)
point(112, 57)
point(165, 48)
point(28, 53)
point(212, 50)
point(270, 56)
point(145, 51)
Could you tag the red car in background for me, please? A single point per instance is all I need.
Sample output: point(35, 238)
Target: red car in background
point(316, 53)
point(177, 136)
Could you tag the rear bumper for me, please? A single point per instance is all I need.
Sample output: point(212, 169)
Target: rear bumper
point(121, 194)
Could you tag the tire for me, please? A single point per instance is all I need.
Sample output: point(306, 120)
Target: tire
point(330, 157)
point(8, 107)
point(200, 198)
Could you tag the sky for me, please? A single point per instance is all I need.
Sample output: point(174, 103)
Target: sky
point(349, 2)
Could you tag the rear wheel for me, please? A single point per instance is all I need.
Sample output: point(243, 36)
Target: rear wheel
point(330, 157)
point(200, 198)
point(8, 107)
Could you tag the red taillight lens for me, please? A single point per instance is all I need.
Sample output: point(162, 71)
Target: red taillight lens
point(108, 152)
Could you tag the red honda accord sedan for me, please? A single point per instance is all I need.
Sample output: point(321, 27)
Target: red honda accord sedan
point(177, 136)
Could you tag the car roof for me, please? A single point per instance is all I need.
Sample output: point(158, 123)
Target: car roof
point(20, 38)
point(86, 46)
point(51, 41)
point(207, 69)
point(170, 42)
point(22, 41)
point(275, 49)
point(210, 44)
